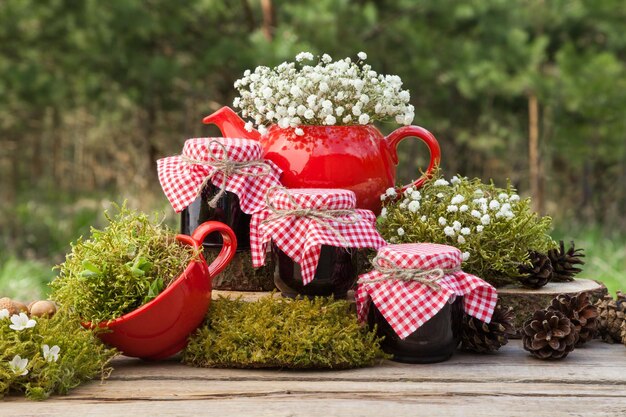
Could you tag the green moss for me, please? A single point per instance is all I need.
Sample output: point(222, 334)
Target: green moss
point(120, 267)
point(82, 357)
point(282, 333)
point(495, 252)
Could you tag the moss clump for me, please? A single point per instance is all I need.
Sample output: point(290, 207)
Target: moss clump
point(282, 333)
point(121, 267)
point(492, 226)
point(81, 357)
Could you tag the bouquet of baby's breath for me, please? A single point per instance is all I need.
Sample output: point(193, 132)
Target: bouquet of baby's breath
point(343, 92)
point(493, 227)
point(121, 267)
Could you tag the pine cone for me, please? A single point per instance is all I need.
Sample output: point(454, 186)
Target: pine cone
point(539, 273)
point(549, 335)
point(564, 263)
point(582, 314)
point(624, 333)
point(611, 315)
point(482, 337)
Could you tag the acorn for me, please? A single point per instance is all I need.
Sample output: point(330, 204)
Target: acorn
point(21, 307)
point(43, 308)
point(14, 307)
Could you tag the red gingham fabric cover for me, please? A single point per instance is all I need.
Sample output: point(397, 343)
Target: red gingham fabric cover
point(301, 238)
point(408, 305)
point(181, 181)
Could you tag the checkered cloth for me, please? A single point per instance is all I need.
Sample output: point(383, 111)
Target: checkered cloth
point(302, 236)
point(182, 180)
point(406, 305)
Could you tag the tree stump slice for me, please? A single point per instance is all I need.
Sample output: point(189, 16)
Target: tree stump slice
point(240, 275)
point(525, 301)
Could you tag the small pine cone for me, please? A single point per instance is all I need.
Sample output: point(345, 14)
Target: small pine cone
point(580, 312)
point(564, 263)
point(481, 337)
point(549, 335)
point(624, 333)
point(611, 316)
point(539, 273)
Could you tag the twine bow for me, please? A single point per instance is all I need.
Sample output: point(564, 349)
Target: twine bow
point(428, 277)
point(320, 216)
point(227, 167)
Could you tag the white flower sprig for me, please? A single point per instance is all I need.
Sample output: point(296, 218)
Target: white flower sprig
point(51, 354)
point(4, 314)
point(21, 322)
point(18, 365)
point(342, 92)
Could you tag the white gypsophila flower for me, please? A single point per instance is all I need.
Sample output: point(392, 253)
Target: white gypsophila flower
point(408, 191)
point(362, 55)
point(463, 208)
point(480, 228)
point(460, 239)
point(21, 322)
point(4, 314)
point(18, 365)
point(400, 231)
point(514, 198)
point(298, 131)
point(383, 197)
point(51, 354)
point(455, 180)
point(476, 213)
point(456, 225)
point(485, 219)
point(416, 195)
point(449, 231)
point(402, 206)
point(509, 214)
point(465, 256)
point(457, 199)
point(440, 195)
point(414, 206)
point(263, 130)
point(494, 205)
point(465, 231)
point(441, 182)
point(393, 239)
point(391, 192)
point(326, 58)
point(479, 193)
point(364, 119)
point(442, 221)
point(424, 218)
point(249, 126)
point(505, 207)
point(304, 56)
point(330, 120)
point(406, 200)
point(383, 212)
point(503, 196)
point(452, 208)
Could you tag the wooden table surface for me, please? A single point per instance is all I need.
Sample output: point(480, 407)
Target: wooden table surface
point(591, 381)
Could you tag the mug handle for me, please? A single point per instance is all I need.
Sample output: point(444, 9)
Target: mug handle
point(228, 248)
point(429, 139)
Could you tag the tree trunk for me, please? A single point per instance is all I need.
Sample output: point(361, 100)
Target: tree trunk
point(269, 19)
point(533, 154)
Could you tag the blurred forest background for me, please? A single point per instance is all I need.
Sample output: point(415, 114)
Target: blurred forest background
point(93, 92)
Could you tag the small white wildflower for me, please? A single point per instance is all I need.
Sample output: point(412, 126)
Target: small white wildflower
point(514, 198)
point(21, 322)
point(442, 221)
point(424, 218)
point(452, 208)
point(503, 196)
point(460, 239)
point(383, 212)
point(391, 192)
point(485, 219)
point(400, 231)
point(463, 208)
point(476, 213)
point(455, 180)
point(465, 256)
point(457, 199)
point(18, 365)
point(456, 225)
point(51, 354)
point(298, 131)
point(362, 55)
point(449, 231)
point(414, 206)
point(480, 228)
point(494, 205)
point(465, 231)
point(441, 182)
point(4, 314)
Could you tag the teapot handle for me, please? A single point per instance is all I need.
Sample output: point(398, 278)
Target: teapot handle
point(228, 248)
point(398, 135)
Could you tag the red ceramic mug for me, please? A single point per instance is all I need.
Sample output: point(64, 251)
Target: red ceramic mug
point(160, 328)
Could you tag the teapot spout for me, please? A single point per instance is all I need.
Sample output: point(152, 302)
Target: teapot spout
point(230, 124)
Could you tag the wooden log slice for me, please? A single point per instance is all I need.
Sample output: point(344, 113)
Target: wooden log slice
point(525, 301)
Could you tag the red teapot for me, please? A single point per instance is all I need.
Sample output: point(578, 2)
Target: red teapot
point(357, 158)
